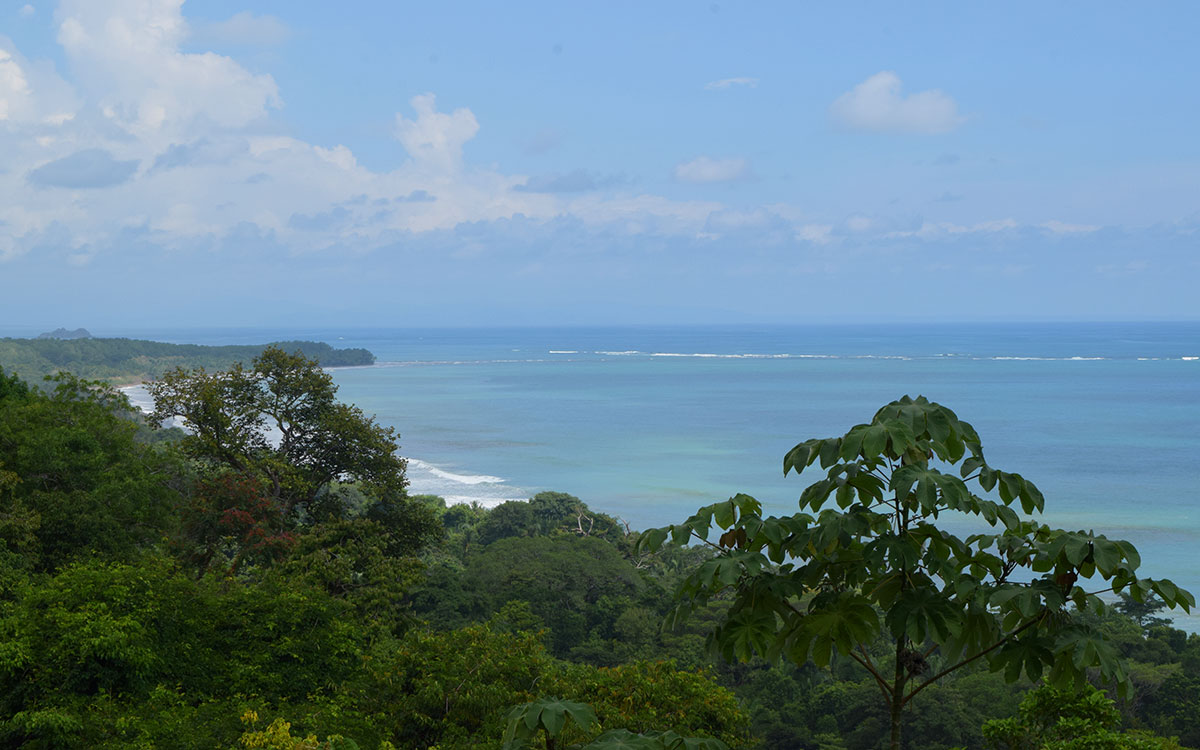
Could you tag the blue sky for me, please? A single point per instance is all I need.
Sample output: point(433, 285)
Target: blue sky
point(269, 163)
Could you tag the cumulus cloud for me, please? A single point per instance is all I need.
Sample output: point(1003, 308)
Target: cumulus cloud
point(170, 149)
point(200, 152)
point(14, 87)
point(726, 83)
point(27, 10)
point(31, 94)
point(90, 168)
point(127, 53)
point(435, 139)
point(878, 104)
point(705, 169)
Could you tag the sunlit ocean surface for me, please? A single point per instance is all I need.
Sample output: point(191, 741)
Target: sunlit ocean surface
point(650, 423)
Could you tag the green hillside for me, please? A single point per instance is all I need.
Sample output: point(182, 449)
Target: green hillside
point(121, 360)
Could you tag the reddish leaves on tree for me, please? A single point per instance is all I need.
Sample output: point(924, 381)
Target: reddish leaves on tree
point(232, 517)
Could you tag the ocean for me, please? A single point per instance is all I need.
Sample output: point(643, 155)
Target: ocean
point(649, 423)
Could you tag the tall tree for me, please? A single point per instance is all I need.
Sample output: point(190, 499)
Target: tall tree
point(874, 563)
point(280, 420)
point(278, 426)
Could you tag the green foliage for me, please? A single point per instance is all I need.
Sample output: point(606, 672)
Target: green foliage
point(1053, 719)
point(623, 739)
point(559, 720)
point(350, 560)
point(132, 360)
point(547, 514)
point(874, 561)
point(569, 582)
point(449, 689)
point(98, 630)
point(319, 441)
point(278, 736)
point(1172, 708)
point(74, 481)
point(546, 715)
point(648, 696)
point(11, 386)
point(153, 592)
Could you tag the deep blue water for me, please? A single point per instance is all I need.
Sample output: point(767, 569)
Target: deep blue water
point(650, 423)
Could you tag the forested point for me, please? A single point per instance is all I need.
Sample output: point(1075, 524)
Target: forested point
point(211, 589)
point(122, 360)
point(63, 333)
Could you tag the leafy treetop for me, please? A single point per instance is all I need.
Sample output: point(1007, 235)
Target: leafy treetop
point(279, 420)
point(873, 562)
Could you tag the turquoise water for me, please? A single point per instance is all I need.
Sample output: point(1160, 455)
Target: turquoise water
point(650, 423)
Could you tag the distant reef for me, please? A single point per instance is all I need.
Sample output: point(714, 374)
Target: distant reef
point(63, 333)
point(123, 361)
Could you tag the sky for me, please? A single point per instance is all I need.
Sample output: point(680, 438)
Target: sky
point(392, 164)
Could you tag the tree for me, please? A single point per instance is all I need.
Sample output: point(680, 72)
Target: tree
point(565, 580)
point(278, 736)
point(88, 652)
point(74, 480)
point(551, 719)
point(234, 414)
point(1065, 720)
point(874, 563)
point(279, 424)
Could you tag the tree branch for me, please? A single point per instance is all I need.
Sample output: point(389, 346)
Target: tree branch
point(866, 662)
point(965, 662)
point(710, 544)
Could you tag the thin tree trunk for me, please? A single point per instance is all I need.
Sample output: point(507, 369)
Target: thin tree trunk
point(897, 703)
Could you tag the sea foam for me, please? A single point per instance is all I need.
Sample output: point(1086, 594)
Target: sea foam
point(452, 477)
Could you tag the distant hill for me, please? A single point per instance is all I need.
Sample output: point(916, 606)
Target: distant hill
point(63, 333)
point(134, 360)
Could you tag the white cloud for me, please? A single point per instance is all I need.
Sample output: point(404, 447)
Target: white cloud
point(435, 139)
point(14, 87)
point(32, 94)
point(817, 233)
point(706, 169)
point(27, 10)
point(90, 168)
point(878, 104)
point(175, 150)
point(859, 224)
point(938, 229)
point(1061, 227)
point(726, 83)
point(243, 29)
point(127, 53)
